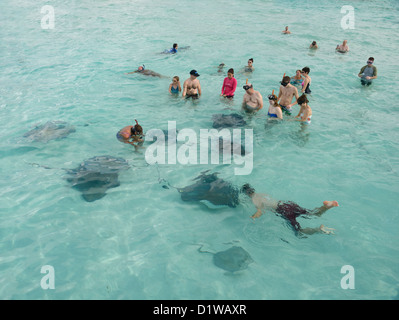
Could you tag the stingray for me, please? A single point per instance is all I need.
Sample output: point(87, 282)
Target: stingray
point(233, 120)
point(232, 260)
point(212, 189)
point(96, 175)
point(51, 130)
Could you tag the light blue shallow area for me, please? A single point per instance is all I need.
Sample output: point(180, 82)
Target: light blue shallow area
point(140, 241)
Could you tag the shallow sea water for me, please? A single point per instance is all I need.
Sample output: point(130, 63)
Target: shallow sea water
point(140, 241)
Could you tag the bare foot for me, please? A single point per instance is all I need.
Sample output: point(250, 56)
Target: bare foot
point(326, 230)
point(330, 204)
point(257, 214)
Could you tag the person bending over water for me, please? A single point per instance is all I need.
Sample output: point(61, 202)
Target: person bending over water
point(146, 72)
point(286, 31)
point(192, 86)
point(285, 95)
point(252, 100)
point(131, 134)
point(288, 210)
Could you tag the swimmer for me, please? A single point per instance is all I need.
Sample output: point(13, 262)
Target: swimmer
point(250, 66)
point(286, 31)
point(192, 86)
point(368, 73)
point(313, 45)
point(220, 67)
point(252, 100)
point(305, 113)
point(132, 135)
point(342, 48)
point(285, 95)
point(288, 210)
point(229, 85)
point(306, 83)
point(174, 48)
point(146, 72)
point(174, 87)
point(274, 111)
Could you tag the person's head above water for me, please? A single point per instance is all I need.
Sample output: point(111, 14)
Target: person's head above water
point(306, 70)
point(230, 73)
point(136, 129)
point(248, 87)
point(247, 189)
point(286, 80)
point(141, 68)
point(250, 61)
point(194, 73)
point(175, 46)
point(302, 99)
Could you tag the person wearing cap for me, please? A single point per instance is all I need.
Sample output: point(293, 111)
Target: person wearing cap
point(368, 73)
point(192, 86)
point(131, 134)
point(252, 100)
point(286, 93)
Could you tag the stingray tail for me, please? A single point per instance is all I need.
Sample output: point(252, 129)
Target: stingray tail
point(203, 251)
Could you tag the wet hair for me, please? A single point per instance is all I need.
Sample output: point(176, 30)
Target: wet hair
point(371, 58)
point(306, 69)
point(136, 129)
point(314, 42)
point(286, 79)
point(247, 189)
point(251, 59)
point(176, 77)
point(174, 45)
point(231, 70)
point(302, 99)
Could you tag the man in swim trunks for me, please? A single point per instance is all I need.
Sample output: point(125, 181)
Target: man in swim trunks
point(285, 95)
point(252, 100)
point(192, 86)
point(131, 135)
point(343, 48)
point(368, 73)
point(288, 210)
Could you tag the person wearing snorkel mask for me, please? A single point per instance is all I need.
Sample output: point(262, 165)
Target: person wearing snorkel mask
point(274, 111)
point(132, 135)
point(252, 100)
point(285, 95)
point(146, 72)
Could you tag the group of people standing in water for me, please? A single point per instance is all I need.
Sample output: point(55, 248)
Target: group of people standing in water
point(279, 106)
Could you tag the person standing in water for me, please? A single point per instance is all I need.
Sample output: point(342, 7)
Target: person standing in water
point(305, 113)
point(252, 100)
point(192, 86)
point(288, 210)
point(285, 95)
point(368, 73)
point(306, 83)
point(274, 111)
point(229, 85)
point(342, 48)
point(174, 87)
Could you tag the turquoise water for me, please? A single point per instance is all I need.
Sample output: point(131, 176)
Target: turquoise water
point(140, 241)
